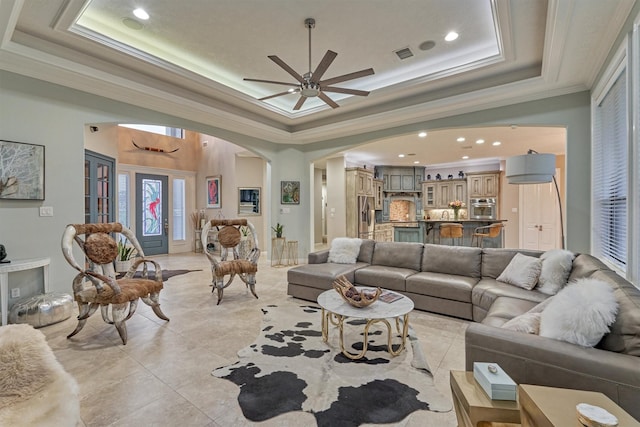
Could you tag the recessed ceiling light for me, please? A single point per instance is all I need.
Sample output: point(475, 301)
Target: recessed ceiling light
point(416, 162)
point(479, 141)
point(422, 134)
point(496, 143)
point(465, 157)
point(141, 14)
point(400, 155)
point(451, 36)
point(461, 139)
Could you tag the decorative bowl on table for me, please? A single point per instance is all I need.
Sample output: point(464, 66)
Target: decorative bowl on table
point(352, 295)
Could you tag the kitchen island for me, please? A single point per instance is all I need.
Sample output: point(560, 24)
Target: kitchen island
point(427, 231)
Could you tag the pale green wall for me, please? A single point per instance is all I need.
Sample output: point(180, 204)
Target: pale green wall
point(43, 113)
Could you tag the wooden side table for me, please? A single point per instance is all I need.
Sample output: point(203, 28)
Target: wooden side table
point(556, 407)
point(474, 408)
point(278, 245)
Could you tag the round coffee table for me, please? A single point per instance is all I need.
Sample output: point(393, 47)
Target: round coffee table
point(336, 310)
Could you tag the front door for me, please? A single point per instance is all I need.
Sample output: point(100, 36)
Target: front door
point(152, 220)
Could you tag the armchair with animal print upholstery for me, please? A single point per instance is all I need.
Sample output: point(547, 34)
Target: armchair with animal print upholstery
point(97, 285)
point(230, 262)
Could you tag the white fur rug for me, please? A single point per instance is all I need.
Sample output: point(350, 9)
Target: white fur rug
point(35, 390)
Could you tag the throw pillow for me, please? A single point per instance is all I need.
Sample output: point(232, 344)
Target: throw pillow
point(581, 313)
point(344, 250)
point(556, 267)
point(523, 271)
point(528, 322)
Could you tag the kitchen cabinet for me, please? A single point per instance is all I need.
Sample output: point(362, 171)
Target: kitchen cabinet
point(438, 194)
point(358, 182)
point(377, 191)
point(400, 178)
point(483, 185)
point(361, 180)
point(385, 209)
point(429, 195)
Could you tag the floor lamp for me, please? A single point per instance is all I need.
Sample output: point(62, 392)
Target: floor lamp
point(535, 168)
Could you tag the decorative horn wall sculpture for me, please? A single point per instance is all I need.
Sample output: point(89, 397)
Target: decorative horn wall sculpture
point(155, 150)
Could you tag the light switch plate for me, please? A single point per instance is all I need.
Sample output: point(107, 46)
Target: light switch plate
point(46, 210)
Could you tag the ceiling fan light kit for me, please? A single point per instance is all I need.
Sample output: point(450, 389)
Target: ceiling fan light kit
point(309, 84)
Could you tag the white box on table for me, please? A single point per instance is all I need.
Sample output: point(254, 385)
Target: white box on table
point(498, 385)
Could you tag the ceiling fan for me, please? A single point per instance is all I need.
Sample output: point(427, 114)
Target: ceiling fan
point(309, 84)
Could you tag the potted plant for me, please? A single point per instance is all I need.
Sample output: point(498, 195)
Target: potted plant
point(123, 260)
point(278, 229)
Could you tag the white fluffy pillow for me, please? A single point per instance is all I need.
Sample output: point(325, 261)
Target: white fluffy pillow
point(344, 250)
point(581, 313)
point(523, 271)
point(529, 322)
point(556, 267)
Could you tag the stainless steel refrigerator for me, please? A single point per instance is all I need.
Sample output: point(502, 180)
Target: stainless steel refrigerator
point(366, 217)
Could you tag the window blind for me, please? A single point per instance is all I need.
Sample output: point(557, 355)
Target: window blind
point(610, 175)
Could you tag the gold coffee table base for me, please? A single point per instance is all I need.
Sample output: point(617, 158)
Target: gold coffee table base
point(338, 320)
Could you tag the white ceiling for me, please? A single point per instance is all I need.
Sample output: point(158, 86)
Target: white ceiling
point(190, 57)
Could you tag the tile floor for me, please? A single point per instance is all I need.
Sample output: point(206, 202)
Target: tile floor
point(162, 376)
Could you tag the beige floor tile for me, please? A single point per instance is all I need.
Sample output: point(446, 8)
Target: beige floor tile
point(163, 375)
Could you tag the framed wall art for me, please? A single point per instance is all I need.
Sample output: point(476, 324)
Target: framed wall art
point(213, 192)
point(290, 192)
point(21, 171)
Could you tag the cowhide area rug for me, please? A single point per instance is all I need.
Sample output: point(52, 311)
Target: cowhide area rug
point(290, 368)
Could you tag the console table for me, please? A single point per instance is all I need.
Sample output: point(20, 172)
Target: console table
point(19, 265)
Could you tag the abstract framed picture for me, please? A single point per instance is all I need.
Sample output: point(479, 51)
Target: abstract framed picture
point(290, 192)
point(213, 192)
point(21, 171)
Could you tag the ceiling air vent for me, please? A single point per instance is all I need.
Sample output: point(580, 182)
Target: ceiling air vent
point(404, 53)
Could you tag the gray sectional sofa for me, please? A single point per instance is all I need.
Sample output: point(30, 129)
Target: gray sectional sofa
point(461, 282)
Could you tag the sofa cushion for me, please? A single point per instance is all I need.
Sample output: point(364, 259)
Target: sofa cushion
point(485, 293)
point(383, 276)
point(580, 313)
point(321, 276)
point(460, 260)
point(624, 336)
point(398, 254)
point(556, 267)
point(495, 260)
point(366, 250)
point(523, 271)
point(529, 322)
point(441, 285)
point(584, 265)
point(344, 250)
point(504, 309)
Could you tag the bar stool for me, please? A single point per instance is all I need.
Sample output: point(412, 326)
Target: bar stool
point(450, 230)
point(489, 231)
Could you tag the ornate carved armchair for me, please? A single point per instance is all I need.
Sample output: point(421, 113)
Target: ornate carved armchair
point(97, 286)
point(230, 262)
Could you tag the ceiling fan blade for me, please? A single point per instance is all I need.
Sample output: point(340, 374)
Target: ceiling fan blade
point(300, 102)
point(323, 65)
point(328, 100)
point(285, 67)
point(345, 77)
point(273, 96)
point(271, 81)
point(347, 91)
